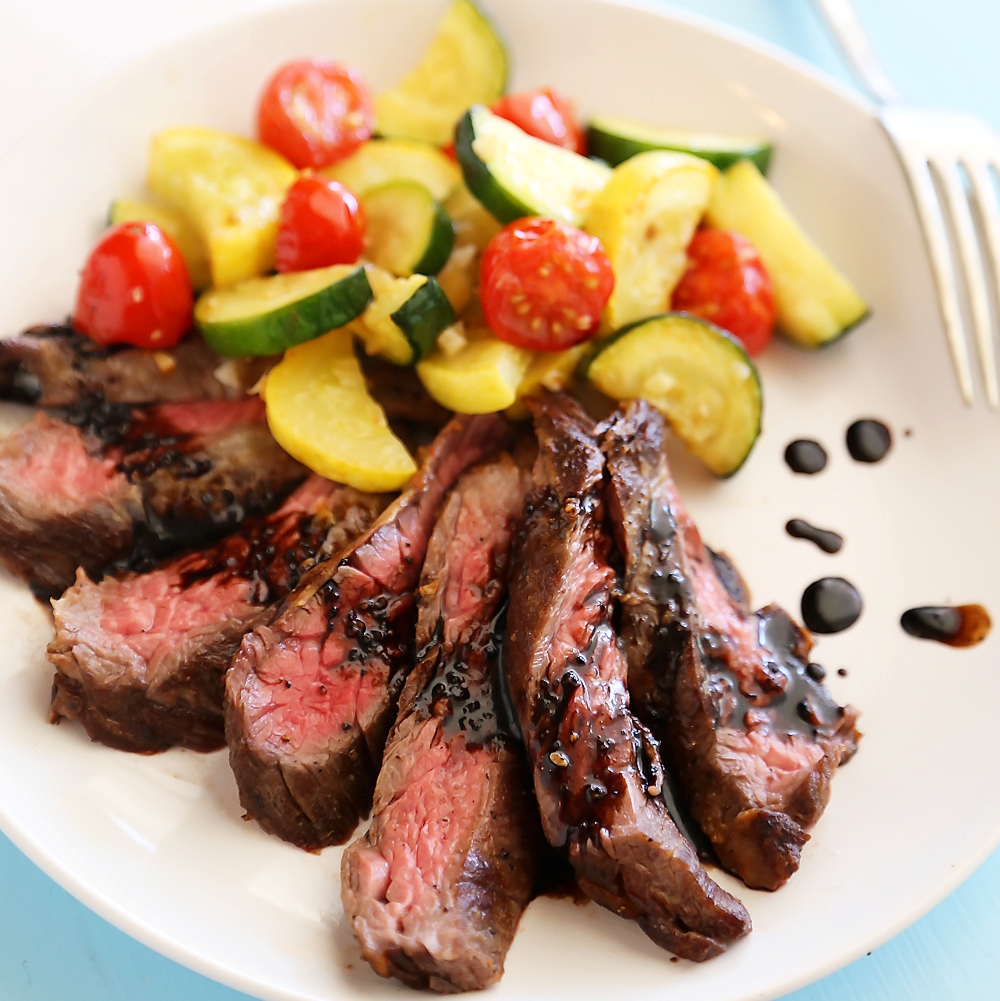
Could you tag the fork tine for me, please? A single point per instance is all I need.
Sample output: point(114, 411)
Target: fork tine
point(989, 209)
point(936, 234)
point(975, 275)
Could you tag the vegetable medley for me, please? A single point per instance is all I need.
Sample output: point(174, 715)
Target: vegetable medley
point(448, 225)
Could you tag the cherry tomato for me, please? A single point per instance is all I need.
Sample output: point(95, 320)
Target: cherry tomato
point(543, 284)
point(134, 289)
point(321, 224)
point(315, 112)
point(543, 113)
point(726, 283)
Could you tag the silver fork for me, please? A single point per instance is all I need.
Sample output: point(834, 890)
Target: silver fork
point(946, 143)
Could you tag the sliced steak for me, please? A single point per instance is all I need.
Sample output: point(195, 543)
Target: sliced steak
point(311, 695)
point(435, 888)
point(141, 658)
point(114, 483)
point(54, 366)
point(597, 774)
point(752, 739)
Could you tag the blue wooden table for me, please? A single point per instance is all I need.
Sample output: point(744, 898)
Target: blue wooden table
point(939, 52)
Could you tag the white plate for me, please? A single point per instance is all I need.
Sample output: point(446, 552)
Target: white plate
point(156, 845)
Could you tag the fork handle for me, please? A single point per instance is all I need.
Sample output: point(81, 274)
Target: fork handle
point(845, 27)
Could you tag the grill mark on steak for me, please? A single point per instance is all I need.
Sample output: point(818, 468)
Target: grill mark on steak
point(54, 366)
point(311, 694)
point(141, 658)
point(597, 773)
point(436, 886)
point(128, 485)
point(752, 739)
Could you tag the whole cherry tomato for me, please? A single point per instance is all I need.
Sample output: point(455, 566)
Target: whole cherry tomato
point(543, 284)
point(315, 112)
point(134, 289)
point(321, 224)
point(726, 284)
point(543, 113)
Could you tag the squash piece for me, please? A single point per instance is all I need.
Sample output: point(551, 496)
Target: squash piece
point(645, 216)
point(230, 188)
point(480, 378)
point(319, 411)
point(549, 370)
point(177, 226)
point(473, 224)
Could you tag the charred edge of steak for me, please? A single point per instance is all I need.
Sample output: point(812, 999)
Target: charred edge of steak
point(686, 689)
point(597, 773)
point(54, 366)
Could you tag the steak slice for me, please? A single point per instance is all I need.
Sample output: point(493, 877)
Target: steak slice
point(752, 739)
point(435, 888)
point(311, 694)
point(597, 773)
point(54, 366)
point(113, 483)
point(141, 659)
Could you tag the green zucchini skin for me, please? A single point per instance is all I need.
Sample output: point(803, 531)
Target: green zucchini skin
point(440, 244)
point(297, 322)
point(503, 206)
point(615, 149)
point(423, 316)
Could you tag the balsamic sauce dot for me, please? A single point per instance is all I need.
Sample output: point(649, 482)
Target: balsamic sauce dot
point(842, 672)
point(868, 440)
point(816, 671)
point(805, 456)
point(964, 625)
point(829, 542)
point(830, 605)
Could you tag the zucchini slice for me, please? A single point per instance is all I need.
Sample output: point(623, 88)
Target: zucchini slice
point(319, 411)
point(408, 230)
point(516, 175)
point(264, 316)
point(404, 318)
point(176, 225)
point(698, 375)
point(230, 188)
point(379, 161)
point(614, 140)
point(480, 378)
point(645, 218)
point(465, 64)
point(814, 301)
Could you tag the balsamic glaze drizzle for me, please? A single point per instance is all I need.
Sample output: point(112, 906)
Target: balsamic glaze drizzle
point(829, 542)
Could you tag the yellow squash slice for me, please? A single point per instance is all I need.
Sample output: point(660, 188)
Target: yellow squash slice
point(230, 188)
point(645, 216)
point(319, 411)
point(479, 378)
point(380, 161)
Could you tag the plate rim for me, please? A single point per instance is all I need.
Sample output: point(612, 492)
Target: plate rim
point(147, 934)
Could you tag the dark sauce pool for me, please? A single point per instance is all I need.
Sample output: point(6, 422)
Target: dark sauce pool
point(805, 456)
point(830, 605)
point(960, 625)
point(868, 441)
point(829, 542)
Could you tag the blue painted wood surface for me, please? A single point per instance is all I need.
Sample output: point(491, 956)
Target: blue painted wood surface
point(53, 949)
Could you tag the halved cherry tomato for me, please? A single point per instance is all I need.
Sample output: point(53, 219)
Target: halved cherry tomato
point(134, 289)
point(543, 284)
point(726, 284)
point(315, 112)
point(543, 113)
point(321, 224)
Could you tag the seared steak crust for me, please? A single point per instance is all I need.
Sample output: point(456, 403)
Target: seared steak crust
point(311, 695)
point(435, 888)
point(113, 483)
point(54, 366)
point(751, 737)
point(597, 774)
point(141, 658)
